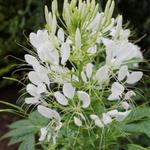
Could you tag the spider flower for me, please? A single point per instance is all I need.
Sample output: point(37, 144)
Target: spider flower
point(85, 65)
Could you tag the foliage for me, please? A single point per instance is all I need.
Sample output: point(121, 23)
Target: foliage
point(24, 131)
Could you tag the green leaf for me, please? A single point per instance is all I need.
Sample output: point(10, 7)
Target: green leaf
point(20, 123)
point(138, 127)
point(28, 143)
point(139, 114)
point(21, 131)
point(18, 139)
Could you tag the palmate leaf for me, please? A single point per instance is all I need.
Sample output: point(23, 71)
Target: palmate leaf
point(28, 143)
point(24, 131)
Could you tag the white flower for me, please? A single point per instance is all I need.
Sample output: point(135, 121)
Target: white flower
point(129, 94)
point(89, 70)
point(38, 39)
point(97, 121)
point(112, 113)
point(117, 89)
point(125, 105)
point(38, 78)
point(134, 77)
point(106, 118)
point(65, 52)
point(102, 74)
point(32, 100)
point(117, 52)
point(85, 98)
point(48, 113)
point(31, 60)
point(77, 121)
point(43, 134)
point(61, 99)
point(120, 116)
point(36, 90)
point(68, 90)
point(123, 72)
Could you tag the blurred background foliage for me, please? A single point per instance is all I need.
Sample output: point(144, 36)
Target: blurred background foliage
point(19, 17)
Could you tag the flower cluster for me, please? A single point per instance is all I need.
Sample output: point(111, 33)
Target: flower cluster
point(86, 66)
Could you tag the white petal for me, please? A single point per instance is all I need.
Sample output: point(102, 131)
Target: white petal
point(48, 113)
point(58, 127)
point(117, 88)
point(125, 105)
point(129, 94)
point(83, 76)
point(78, 39)
point(68, 90)
point(32, 61)
point(93, 117)
point(60, 35)
point(65, 53)
point(102, 74)
point(85, 98)
point(134, 77)
point(32, 100)
point(41, 88)
point(32, 90)
point(112, 113)
point(43, 134)
point(120, 116)
point(89, 70)
point(37, 39)
point(106, 118)
point(97, 121)
point(113, 97)
point(61, 99)
point(38, 78)
point(77, 121)
point(33, 39)
point(123, 72)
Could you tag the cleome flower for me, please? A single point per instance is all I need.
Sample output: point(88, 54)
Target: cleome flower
point(82, 68)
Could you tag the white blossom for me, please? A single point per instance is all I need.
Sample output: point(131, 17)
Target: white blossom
point(85, 98)
point(102, 74)
point(61, 99)
point(77, 121)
